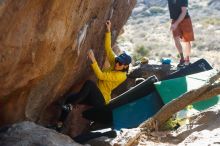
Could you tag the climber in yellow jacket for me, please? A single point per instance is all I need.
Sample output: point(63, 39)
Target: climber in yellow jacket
point(99, 94)
point(110, 78)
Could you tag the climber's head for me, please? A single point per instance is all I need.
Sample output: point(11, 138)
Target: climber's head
point(122, 62)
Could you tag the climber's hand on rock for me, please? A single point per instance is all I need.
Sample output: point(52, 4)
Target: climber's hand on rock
point(108, 25)
point(91, 55)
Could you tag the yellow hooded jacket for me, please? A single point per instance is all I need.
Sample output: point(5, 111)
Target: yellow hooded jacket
point(108, 79)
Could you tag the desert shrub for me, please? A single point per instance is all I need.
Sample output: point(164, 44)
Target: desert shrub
point(174, 122)
point(211, 21)
point(171, 124)
point(146, 14)
point(140, 52)
point(156, 10)
point(121, 39)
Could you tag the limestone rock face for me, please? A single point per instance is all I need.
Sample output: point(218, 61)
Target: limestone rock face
point(43, 45)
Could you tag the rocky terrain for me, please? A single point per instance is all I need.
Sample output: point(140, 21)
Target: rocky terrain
point(42, 57)
point(203, 130)
point(30, 134)
point(147, 31)
point(147, 34)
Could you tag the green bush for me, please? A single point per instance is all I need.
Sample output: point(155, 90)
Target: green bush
point(156, 10)
point(171, 124)
point(140, 52)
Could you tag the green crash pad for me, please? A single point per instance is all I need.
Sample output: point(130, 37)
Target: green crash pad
point(171, 89)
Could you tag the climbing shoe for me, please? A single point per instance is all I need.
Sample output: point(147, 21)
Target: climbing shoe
point(187, 62)
point(67, 107)
point(58, 126)
point(181, 63)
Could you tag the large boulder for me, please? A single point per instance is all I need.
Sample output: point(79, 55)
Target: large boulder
point(43, 45)
point(30, 134)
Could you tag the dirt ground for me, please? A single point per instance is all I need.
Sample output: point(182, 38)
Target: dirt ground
point(147, 31)
point(203, 130)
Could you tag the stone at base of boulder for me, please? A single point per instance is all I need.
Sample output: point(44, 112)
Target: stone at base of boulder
point(75, 123)
point(29, 133)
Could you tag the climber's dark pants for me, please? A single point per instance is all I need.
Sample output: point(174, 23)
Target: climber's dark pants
point(89, 95)
point(100, 115)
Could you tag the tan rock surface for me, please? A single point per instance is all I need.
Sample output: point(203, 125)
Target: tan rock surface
point(43, 47)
